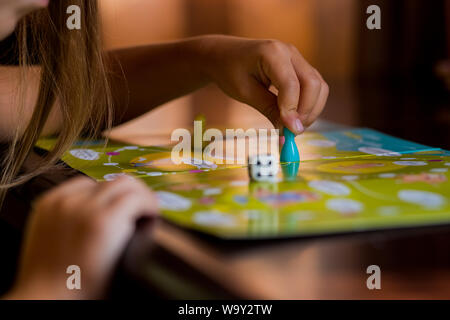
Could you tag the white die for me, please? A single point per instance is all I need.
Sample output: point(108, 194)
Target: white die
point(263, 168)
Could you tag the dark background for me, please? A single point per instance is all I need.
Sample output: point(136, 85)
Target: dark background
point(399, 87)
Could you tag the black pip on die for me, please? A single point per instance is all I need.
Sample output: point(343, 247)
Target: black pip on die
point(263, 168)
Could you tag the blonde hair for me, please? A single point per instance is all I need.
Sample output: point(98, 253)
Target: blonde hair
point(73, 73)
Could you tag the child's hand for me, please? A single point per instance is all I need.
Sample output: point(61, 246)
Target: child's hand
point(245, 69)
point(81, 223)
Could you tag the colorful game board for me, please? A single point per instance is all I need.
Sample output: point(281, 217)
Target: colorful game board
point(350, 180)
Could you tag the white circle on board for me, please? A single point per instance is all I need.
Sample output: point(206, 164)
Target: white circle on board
point(439, 170)
point(322, 143)
point(239, 183)
point(112, 176)
point(213, 218)
point(330, 187)
point(423, 198)
point(379, 152)
point(410, 163)
point(345, 206)
point(212, 191)
point(154, 174)
point(85, 154)
point(172, 201)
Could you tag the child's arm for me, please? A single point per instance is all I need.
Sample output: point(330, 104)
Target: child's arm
point(243, 68)
point(155, 74)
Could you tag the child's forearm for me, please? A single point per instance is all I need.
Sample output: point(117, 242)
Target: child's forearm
point(148, 76)
point(243, 68)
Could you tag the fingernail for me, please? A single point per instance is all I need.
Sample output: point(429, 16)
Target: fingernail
point(282, 140)
point(299, 126)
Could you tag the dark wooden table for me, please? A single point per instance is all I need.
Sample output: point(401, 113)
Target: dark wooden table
point(164, 260)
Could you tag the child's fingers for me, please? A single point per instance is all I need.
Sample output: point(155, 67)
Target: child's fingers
point(108, 190)
point(282, 75)
point(310, 85)
point(74, 186)
point(319, 106)
point(255, 94)
point(133, 205)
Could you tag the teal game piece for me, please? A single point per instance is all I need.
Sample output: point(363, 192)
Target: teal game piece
point(289, 152)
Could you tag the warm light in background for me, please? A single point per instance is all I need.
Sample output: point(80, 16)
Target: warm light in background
point(136, 22)
point(325, 38)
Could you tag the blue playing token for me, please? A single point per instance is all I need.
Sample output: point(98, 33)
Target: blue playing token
point(289, 152)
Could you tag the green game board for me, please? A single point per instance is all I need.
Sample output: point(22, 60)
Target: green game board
point(349, 180)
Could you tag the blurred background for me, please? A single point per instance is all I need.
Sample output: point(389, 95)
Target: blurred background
point(396, 80)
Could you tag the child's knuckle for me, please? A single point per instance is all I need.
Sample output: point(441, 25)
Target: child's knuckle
point(290, 82)
point(271, 47)
point(314, 81)
point(94, 223)
point(64, 204)
point(292, 48)
point(325, 87)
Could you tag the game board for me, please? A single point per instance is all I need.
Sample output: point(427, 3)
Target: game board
point(349, 180)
